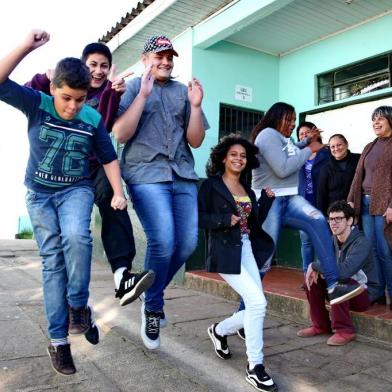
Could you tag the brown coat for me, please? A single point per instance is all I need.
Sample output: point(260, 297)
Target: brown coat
point(381, 195)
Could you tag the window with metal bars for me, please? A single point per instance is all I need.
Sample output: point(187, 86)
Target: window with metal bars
point(356, 79)
point(234, 119)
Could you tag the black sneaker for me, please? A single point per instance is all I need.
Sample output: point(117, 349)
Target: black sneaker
point(61, 358)
point(149, 330)
point(92, 334)
point(79, 321)
point(344, 291)
point(241, 333)
point(220, 343)
point(260, 379)
point(133, 285)
point(163, 319)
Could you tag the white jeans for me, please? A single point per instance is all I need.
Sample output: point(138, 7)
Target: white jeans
point(248, 285)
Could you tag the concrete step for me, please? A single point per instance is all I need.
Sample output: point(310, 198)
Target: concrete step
point(286, 298)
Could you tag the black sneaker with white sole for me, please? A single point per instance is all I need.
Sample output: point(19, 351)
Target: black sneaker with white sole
point(241, 333)
point(220, 343)
point(259, 378)
point(92, 334)
point(344, 291)
point(149, 330)
point(163, 319)
point(133, 285)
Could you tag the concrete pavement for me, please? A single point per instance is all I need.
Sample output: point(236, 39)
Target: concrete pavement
point(186, 361)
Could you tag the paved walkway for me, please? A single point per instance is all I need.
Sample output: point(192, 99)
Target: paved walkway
point(186, 361)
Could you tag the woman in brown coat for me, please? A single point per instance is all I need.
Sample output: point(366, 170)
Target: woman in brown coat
point(371, 193)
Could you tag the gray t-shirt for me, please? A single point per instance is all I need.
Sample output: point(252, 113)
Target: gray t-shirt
point(159, 146)
point(280, 161)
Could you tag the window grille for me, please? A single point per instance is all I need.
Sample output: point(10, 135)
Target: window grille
point(234, 119)
point(355, 80)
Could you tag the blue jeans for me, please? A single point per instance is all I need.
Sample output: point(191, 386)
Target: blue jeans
point(297, 213)
point(61, 224)
point(168, 214)
point(373, 227)
point(248, 285)
point(307, 249)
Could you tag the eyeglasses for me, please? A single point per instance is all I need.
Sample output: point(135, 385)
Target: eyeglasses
point(337, 219)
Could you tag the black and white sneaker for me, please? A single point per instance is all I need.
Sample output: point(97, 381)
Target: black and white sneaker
point(162, 319)
point(260, 379)
point(344, 291)
point(149, 330)
point(220, 343)
point(162, 316)
point(133, 285)
point(92, 334)
point(241, 333)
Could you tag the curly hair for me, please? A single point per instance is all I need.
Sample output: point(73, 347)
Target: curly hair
point(215, 165)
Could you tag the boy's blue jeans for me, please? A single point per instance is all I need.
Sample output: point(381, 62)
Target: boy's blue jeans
point(168, 214)
point(61, 224)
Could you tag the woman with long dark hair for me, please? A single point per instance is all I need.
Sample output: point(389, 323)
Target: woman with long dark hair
point(280, 161)
point(237, 248)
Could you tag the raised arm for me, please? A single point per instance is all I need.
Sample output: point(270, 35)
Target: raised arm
point(125, 126)
point(34, 40)
point(195, 132)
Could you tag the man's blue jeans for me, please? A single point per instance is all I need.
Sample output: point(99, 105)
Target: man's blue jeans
point(297, 213)
point(373, 227)
point(61, 224)
point(168, 214)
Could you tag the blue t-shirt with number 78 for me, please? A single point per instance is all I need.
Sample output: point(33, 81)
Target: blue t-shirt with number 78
point(59, 149)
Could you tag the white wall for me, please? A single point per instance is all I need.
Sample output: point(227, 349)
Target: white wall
point(353, 121)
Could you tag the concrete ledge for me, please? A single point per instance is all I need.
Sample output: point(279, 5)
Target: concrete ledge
point(375, 323)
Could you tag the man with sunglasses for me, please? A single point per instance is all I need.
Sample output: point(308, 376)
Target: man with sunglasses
point(355, 264)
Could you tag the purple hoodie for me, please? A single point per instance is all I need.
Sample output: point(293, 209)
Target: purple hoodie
point(104, 99)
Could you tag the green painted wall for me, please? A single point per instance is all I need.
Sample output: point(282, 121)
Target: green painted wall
point(299, 87)
point(219, 69)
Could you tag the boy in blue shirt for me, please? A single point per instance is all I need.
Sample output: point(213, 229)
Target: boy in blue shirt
point(63, 132)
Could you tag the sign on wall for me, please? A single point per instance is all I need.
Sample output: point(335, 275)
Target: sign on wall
point(243, 93)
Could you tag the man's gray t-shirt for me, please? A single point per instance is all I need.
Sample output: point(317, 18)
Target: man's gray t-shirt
point(159, 146)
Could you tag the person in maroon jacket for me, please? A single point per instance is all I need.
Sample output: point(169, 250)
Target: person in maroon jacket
point(116, 232)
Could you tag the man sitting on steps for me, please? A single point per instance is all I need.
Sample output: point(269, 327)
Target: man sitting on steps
point(355, 263)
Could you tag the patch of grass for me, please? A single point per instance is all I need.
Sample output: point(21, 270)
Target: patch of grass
point(25, 234)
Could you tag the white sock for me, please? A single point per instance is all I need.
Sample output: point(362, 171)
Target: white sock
point(58, 342)
point(118, 274)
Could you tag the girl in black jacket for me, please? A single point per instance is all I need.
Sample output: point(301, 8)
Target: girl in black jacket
point(237, 248)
